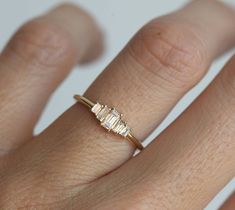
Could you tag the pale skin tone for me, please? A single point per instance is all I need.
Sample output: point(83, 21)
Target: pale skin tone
point(75, 163)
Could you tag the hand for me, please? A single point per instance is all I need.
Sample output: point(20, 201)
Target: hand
point(75, 163)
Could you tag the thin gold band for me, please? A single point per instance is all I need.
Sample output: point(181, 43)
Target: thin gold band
point(120, 126)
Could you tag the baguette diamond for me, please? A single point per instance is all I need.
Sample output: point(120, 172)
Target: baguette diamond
point(96, 108)
point(102, 113)
point(110, 119)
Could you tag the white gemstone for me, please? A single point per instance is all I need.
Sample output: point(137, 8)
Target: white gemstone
point(103, 113)
point(119, 126)
point(116, 128)
point(96, 108)
point(115, 113)
point(125, 131)
point(111, 119)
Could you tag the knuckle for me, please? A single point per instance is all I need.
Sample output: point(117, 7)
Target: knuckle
point(41, 42)
point(173, 52)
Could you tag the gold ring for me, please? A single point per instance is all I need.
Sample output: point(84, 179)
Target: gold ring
point(110, 119)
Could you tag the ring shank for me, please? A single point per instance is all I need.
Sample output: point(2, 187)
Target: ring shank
point(134, 141)
point(84, 101)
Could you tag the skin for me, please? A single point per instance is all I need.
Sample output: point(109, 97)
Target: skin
point(74, 163)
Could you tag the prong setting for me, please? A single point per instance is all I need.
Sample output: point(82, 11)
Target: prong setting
point(110, 119)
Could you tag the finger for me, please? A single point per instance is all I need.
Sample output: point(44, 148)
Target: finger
point(192, 160)
point(229, 204)
point(176, 52)
point(35, 61)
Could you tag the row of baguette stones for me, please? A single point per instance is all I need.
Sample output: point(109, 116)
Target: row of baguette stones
point(110, 119)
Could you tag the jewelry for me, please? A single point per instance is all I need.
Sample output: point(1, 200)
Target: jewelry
point(110, 119)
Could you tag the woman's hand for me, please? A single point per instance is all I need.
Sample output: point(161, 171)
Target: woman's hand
point(74, 163)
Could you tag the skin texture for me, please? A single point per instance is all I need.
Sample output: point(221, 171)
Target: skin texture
point(74, 163)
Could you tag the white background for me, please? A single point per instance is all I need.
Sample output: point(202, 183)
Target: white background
point(119, 20)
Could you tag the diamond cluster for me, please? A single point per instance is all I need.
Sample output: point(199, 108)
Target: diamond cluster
point(110, 119)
